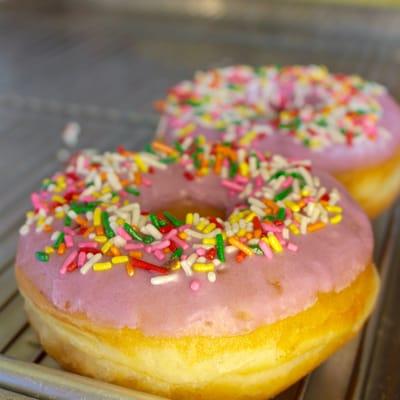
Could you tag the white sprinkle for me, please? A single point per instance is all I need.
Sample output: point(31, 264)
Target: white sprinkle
point(161, 279)
point(212, 276)
point(89, 264)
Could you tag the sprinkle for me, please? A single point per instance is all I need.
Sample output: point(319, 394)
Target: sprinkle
point(68, 261)
point(336, 219)
point(129, 269)
point(89, 264)
point(220, 247)
point(274, 243)
point(102, 266)
point(315, 227)
point(120, 259)
point(264, 246)
point(195, 285)
point(211, 276)
point(148, 266)
point(162, 279)
point(246, 250)
point(42, 256)
point(174, 221)
point(106, 224)
point(203, 267)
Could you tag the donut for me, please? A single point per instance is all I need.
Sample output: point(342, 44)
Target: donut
point(202, 271)
point(346, 125)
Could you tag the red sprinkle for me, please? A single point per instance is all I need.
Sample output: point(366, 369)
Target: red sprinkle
point(211, 253)
point(188, 176)
point(147, 266)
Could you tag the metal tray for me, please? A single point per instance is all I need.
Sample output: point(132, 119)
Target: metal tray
point(103, 68)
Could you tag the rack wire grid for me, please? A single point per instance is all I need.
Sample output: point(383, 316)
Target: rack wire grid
point(102, 66)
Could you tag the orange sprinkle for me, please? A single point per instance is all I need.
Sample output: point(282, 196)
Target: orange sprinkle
point(81, 221)
point(61, 249)
point(316, 226)
point(99, 231)
point(72, 267)
point(48, 228)
point(227, 152)
point(257, 233)
point(135, 254)
point(271, 204)
point(164, 148)
point(138, 178)
point(218, 163)
point(129, 269)
point(115, 251)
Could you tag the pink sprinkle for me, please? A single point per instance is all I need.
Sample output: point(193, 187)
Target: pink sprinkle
point(241, 179)
point(180, 242)
point(69, 231)
point(287, 182)
point(170, 234)
point(121, 232)
point(87, 198)
point(265, 248)
point(146, 182)
point(69, 242)
point(161, 245)
point(36, 202)
point(90, 245)
point(68, 261)
point(195, 285)
point(159, 255)
point(292, 247)
point(134, 246)
point(81, 259)
point(200, 251)
point(232, 185)
point(271, 228)
point(259, 181)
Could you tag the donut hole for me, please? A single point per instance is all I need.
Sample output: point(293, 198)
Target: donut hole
point(181, 207)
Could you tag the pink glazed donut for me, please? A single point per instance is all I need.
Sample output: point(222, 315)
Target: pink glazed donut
point(203, 271)
point(343, 124)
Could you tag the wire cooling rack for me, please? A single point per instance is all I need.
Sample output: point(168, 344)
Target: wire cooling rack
point(103, 67)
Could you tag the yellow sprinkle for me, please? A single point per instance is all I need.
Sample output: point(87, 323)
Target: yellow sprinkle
point(175, 266)
point(189, 218)
point(201, 225)
point(234, 242)
point(293, 206)
point(139, 162)
point(120, 259)
point(120, 221)
point(102, 266)
point(58, 199)
point(247, 138)
point(209, 241)
point(305, 192)
point(244, 169)
point(294, 229)
point(106, 189)
point(48, 250)
point(106, 246)
point(115, 200)
point(241, 232)
point(100, 239)
point(199, 267)
point(250, 217)
point(336, 219)
point(274, 243)
point(333, 209)
point(97, 217)
point(59, 214)
point(209, 228)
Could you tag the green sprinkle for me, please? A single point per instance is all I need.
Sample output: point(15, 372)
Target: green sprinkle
point(174, 221)
point(147, 239)
point(220, 247)
point(42, 256)
point(132, 233)
point(59, 240)
point(233, 169)
point(132, 190)
point(283, 194)
point(298, 176)
point(67, 220)
point(281, 214)
point(82, 208)
point(256, 249)
point(149, 149)
point(177, 253)
point(277, 175)
point(154, 220)
point(178, 147)
point(106, 224)
point(168, 160)
point(322, 122)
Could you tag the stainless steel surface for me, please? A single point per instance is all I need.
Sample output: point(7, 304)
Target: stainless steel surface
point(103, 68)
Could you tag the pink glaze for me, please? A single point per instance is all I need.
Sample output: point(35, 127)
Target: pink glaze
point(263, 289)
point(336, 157)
